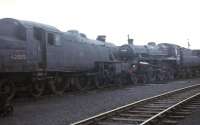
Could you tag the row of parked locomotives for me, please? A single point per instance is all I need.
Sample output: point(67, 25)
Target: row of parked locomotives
point(37, 59)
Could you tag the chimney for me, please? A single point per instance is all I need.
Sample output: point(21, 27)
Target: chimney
point(130, 41)
point(101, 38)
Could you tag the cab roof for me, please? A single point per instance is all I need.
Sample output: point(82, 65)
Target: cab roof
point(30, 24)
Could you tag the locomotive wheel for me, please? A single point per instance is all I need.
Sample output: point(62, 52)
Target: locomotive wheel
point(145, 79)
point(97, 83)
point(57, 86)
point(189, 74)
point(8, 89)
point(124, 79)
point(7, 109)
point(67, 83)
point(118, 81)
point(81, 83)
point(37, 89)
point(171, 76)
point(160, 76)
point(142, 79)
point(165, 76)
point(184, 74)
point(196, 73)
point(152, 77)
point(180, 75)
point(134, 80)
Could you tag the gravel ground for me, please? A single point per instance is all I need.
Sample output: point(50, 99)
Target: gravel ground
point(73, 107)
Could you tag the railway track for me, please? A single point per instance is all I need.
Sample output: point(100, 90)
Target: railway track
point(167, 108)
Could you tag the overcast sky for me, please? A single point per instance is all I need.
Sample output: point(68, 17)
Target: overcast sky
point(172, 21)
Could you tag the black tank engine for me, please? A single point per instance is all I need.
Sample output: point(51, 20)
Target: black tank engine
point(33, 56)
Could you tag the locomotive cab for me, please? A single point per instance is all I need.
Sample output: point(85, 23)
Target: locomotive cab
point(13, 38)
point(23, 54)
point(13, 54)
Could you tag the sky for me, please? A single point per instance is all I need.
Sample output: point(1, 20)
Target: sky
point(171, 21)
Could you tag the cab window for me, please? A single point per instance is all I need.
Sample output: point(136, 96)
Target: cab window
point(53, 39)
point(37, 33)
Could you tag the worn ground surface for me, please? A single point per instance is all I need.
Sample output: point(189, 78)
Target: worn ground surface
point(71, 107)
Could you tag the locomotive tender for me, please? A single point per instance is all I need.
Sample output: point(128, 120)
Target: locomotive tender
point(40, 58)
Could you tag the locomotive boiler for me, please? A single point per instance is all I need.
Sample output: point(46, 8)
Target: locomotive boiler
point(130, 51)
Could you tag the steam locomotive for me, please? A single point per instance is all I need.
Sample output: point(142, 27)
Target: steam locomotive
point(166, 61)
point(39, 58)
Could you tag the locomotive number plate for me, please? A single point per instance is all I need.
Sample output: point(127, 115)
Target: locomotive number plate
point(18, 55)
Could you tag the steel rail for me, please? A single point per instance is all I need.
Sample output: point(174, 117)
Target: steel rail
point(110, 113)
point(159, 115)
